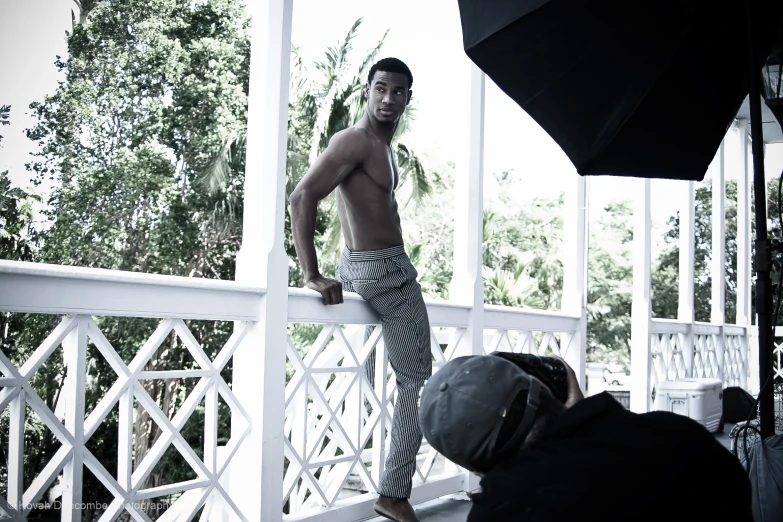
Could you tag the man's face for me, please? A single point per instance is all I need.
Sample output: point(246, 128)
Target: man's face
point(387, 96)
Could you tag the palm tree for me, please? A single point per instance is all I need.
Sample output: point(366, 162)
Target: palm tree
point(321, 106)
point(512, 288)
point(506, 271)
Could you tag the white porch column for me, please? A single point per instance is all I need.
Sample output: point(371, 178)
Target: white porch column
point(687, 240)
point(641, 310)
point(75, 358)
point(744, 264)
point(575, 275)
point(467, 283)
point(718, 268)
point(743, 227)
point(256, 483)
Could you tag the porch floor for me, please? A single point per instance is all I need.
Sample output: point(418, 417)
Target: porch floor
point(455, 508)
point(451, 508)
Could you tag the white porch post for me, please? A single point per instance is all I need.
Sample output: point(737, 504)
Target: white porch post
point(743, 226)
point(75, 358)
point(259, 363)
point(575, 275)
point(744, 251)
point(719, 259)
point(687, 240)
point(467, 283)
point(641, 310)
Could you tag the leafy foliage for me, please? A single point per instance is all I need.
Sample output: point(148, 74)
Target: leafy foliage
point(150, 89)
point(522, 246)
point(610, 285)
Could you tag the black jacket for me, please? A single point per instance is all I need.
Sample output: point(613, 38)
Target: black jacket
point(601, 462)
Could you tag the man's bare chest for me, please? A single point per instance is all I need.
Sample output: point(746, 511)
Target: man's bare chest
point(381, 169)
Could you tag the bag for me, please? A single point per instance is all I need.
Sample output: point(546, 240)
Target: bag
point(737, 405)
point(766, 479)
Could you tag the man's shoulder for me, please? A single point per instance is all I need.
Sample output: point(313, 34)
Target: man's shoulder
point(353, 142)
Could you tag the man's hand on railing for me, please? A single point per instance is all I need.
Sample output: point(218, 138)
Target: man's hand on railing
point(331, 291)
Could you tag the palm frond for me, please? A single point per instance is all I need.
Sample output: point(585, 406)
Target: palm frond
point(340, 54)
point(336, 59)
point(371, 57)
point(405, 121)
point(489, 220)
point(415, 251)
point(512, 288)
point(411, 168)
point(356, 104)
point(224, 218)
point(340, 102)
point(320, 135)
point(334, 233)
point(218, 170)
point(299, 79)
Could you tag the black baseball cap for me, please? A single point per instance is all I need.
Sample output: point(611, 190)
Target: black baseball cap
point(465, 403)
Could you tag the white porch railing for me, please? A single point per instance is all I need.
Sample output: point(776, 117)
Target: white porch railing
point(329, 432)
point(79, 294)
point(682, 349)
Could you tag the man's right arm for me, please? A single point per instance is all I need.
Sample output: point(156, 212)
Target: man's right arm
point(345, 152)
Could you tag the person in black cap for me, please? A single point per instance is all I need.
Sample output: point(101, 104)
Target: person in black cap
point(541, 459)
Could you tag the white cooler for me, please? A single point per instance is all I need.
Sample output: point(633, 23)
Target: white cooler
point(699, 399)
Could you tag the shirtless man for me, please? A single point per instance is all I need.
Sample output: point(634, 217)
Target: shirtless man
point(359, 164)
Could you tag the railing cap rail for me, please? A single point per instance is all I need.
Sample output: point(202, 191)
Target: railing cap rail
point(25, 268)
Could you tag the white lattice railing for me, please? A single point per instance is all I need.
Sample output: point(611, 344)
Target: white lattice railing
point(73, 333)
point(335, 414)
point(80, 295)
point(718, 352)
point(331, 459)
point(332, 463)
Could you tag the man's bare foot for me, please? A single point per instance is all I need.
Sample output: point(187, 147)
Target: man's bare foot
point(397, 509)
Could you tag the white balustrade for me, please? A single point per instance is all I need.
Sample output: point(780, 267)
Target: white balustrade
point(334, 414)
point(668, 339)
point(777, 354)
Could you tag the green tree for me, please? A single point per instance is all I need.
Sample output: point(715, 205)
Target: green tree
point(17, 236)
point(150, 89)
point(665, 277)
point(522, 249)
point(610, 285)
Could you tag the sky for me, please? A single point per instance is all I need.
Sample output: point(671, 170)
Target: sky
point(424, 34)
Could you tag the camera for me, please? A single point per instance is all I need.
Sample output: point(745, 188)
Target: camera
point(548, 370)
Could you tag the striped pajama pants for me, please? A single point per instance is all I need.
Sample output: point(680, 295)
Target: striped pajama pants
point(386, 279)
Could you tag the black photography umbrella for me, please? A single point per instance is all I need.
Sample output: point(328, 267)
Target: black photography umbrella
point(645, 89)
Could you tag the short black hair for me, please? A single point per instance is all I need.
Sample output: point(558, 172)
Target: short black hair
point(392, 65)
